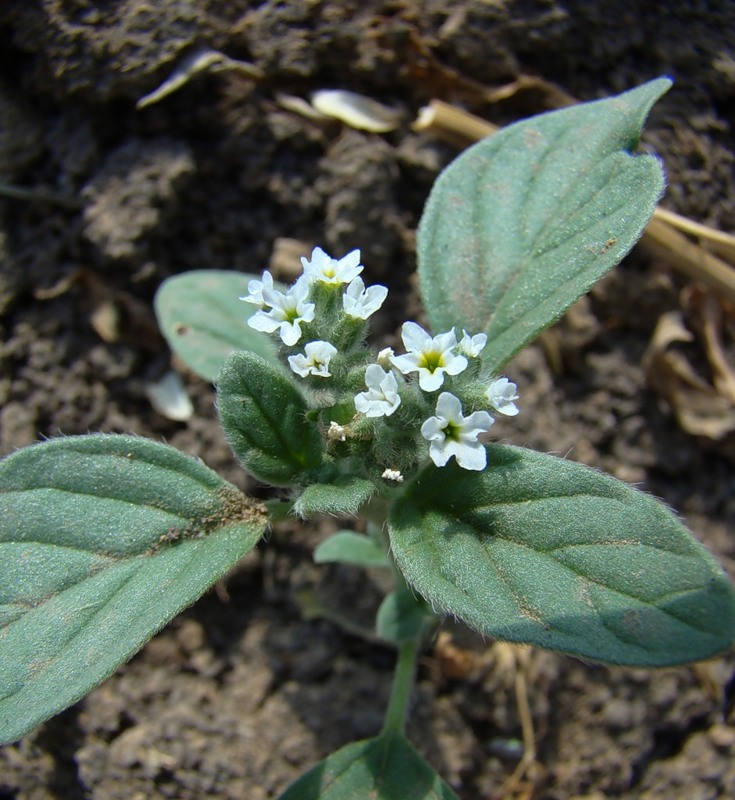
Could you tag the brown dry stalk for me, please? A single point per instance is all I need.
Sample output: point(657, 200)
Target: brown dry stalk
point(688, 257)
point(664, 234)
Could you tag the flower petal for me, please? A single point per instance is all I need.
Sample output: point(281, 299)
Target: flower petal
point(260, 321)
point(500, 394)
point(439, 454)
point(471, 456)
point(414, 337)
point(430, 381)
point(449, 407)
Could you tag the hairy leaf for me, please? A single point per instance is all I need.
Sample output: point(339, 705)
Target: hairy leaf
point(342, 497)
point(526, 221)
point(264, 418)
point(401, 616)
point(203, 319)
point(103, 539)
point(347, 547)
point(541, 550)
point(384, 768)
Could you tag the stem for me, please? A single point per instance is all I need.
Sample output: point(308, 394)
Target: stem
point(403, 677)
point(395, 716)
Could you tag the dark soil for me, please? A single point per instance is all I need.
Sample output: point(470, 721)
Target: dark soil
point(241, 694)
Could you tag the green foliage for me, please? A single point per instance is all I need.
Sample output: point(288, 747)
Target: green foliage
point(401, 616)
point(347, 547)
point(203, 319)
point(264, 418)
point(104, 539)
point(541, 550)
point(525, 222)
point(342, 497)
point(384, 768)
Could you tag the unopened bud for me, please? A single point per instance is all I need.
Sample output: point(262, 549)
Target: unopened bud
point(384, 357)
point(336, 433)
point(392, 475)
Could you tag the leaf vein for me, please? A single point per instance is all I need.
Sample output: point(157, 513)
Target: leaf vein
point(517, 594)
point(99, 496)
point(68, 642)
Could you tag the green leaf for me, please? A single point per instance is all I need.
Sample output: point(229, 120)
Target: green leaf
point(545, 551)
point(347, 547)
point(103, 539)
point(343, 497)
point(203, 319)
point(401, 616)
point(526, 221)
point(264, 418)
point(384, 768)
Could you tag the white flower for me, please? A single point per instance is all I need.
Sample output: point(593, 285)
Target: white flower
point(255, 289)
point(392, 475)
point(288, 310)
point(360, 303)
point(430, 356)
point(326, 269)
point(315, 361)
point(381, 398)
point(501, 393)
point(452, 434)
point(472, 346)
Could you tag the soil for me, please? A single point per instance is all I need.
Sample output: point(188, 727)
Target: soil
point(242, 693)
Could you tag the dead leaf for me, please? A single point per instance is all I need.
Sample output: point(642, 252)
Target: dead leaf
point(118, 316)
point(452, 662)
point(710, 318)
point(356, 110)
point(686, 364)
point(170, 398)
point(192, 65)
point(105, 319)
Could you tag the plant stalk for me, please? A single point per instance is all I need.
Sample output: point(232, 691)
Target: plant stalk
point(395, 716)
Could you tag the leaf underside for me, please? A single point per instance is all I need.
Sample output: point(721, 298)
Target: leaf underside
point(544, 551)
point(203, 319)
point(401, 616)
point(103, 540)
point(348, 547)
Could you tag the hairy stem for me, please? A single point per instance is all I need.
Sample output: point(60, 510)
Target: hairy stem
point(395, 716)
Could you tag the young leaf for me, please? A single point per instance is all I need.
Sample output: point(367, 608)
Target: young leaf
point(264, 419)
point(342, 498)
point(103, 539)
point(545, 551)
point(526, 221)
point(384, 768)
point(401, 616)
point(203, 319)
point(347, 547)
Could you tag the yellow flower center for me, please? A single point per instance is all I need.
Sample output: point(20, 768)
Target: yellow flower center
point(431, 360)
point(452, 432)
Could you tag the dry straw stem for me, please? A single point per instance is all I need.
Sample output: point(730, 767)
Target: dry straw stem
point(665, 232)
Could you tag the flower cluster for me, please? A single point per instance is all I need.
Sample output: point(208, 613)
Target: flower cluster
point(328, 307)
point(448, 431)
point(286, 312)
